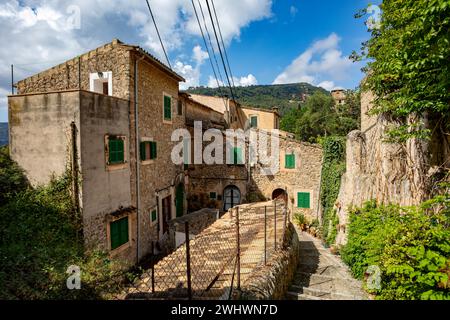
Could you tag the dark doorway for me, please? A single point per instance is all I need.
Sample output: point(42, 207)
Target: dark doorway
point(279, 193)
point(179, 200)
point(231, 197)
point(166, 212)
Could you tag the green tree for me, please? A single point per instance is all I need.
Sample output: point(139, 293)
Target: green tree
point(320, 117)
point(408, 68)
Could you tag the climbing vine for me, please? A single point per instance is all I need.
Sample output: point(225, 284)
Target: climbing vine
point(332, 169)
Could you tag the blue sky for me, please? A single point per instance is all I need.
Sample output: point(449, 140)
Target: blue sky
point(268, 41)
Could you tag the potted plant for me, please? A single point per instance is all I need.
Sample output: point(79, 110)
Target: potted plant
point(300, 220)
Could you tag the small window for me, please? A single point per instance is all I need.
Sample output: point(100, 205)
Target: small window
point(303, 200)
point(153, 216)
point(289, 161)
point(167, 108)
point(254, 121)
point(119, 232)
point(101, 82)
point(237, 156)
point(147, 150)
point(213, 195)
point(180, 108)
point(116, 150)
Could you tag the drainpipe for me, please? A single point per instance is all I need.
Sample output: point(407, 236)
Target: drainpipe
point(138, 180)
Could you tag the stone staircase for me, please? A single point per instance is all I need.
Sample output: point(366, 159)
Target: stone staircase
point(322, 275)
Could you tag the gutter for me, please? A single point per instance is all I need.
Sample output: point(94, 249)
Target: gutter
point(138, 180)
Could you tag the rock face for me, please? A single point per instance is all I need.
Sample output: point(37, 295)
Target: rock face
point(387, 172)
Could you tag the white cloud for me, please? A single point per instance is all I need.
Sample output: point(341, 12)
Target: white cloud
point(38, 33)
point(322, 63)
point(244, 81)
point(293, 11)
point(327, 85)
point(191, 73)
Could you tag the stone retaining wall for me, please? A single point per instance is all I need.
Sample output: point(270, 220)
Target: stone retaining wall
point(271, 281)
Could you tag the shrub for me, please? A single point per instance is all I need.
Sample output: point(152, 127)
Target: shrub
point(12, 179)
point(299, 219)
point(410, 245)
point(40, 237)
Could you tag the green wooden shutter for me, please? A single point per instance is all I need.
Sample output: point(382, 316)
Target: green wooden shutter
point(254, 122)
point(119, 232)
point(142, 151)
point(303, 200)
point(153, 149)
point(116, 150)
point(289, 161)
point(153, 215)
point(237, 156)
point(167, 108)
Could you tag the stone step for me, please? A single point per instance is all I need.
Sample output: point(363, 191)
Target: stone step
point(322, 268)
point(316, 280)
point(325, 294)
point(301, 296)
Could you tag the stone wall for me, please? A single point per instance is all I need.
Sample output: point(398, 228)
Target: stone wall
point(74, 73)
point(376, 169)
point(271, 281)
point(158, 177)
point(305, 177)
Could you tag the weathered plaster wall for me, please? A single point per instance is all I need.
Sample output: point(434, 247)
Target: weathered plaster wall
point(40, 133)
point(105, 188)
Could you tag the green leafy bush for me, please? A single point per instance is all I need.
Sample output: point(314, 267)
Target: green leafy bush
point(12, 179)
point(410, 245)
point(300, 219)
point(332, 169)
point(40, 237)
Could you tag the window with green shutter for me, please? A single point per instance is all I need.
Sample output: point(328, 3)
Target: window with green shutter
point(116, 150)
point(147, 150)
point(289, 161)
point(254, 121)
point(153, 216)
point(212, 195)
point(303, 200)
point(167, 108)
point(119, 232)
point(237, 156)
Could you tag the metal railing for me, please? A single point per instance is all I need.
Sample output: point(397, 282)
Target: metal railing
point(214, 263)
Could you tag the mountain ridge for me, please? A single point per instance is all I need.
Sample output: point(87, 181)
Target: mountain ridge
point(284, 96)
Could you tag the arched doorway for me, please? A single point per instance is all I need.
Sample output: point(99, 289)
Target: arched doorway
point(279, 193)
point(179, 200)
point(231, 197)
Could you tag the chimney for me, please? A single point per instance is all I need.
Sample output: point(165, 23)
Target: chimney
point(275, 109)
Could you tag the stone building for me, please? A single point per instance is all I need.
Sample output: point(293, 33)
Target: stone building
point(339, 96)
point(99, 109)
point(108, 118)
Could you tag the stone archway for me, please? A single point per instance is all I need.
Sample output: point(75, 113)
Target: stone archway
point(279, 193)
point(231, 197)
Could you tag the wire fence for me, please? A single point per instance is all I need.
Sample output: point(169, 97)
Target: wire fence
point(214, 263)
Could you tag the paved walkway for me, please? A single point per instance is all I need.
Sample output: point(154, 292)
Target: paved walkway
point(213, 256)
point(322, 275)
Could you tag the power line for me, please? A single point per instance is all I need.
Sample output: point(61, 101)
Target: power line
point(157, 31)
point(223, 44)
point(209, 55)
point(220, 51)
point(206, 45)
point(210, 42)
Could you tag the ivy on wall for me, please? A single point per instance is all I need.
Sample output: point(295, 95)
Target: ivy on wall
point(332, 169)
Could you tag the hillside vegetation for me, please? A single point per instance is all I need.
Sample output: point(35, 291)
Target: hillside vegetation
point(40, 237)
point(284, 96)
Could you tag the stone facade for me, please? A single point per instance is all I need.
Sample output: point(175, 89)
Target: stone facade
point(303, 178)
point(149, 191)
